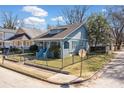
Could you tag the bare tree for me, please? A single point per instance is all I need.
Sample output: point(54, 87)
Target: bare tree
point(75, 14)
point(116, 19)
point(9, 20)
point(21, 23)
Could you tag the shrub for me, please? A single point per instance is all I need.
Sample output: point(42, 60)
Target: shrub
point(33, 48)
point(55, 49)
point(98, 49)
point(15, 50)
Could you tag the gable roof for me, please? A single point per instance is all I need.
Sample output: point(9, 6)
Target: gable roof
point(67, 30)
point(30, 32)
point(20, 37)
point(24, 32)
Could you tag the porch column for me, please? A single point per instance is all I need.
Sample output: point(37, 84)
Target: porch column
point(43, 44)
point(22, 44)
point(47, 51)
point(3, 39)
point(61, 44)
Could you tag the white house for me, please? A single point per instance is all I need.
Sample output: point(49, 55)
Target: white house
point(23, 37)
point(4, 35)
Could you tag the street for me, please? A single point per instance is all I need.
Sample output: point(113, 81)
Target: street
point(11, 79)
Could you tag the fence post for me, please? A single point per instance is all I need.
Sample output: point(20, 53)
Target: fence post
point(72, 58)
point(3, 58)
point(81, 67)
point(61, 44)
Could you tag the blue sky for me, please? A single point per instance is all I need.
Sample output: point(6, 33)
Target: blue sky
point(42, 15)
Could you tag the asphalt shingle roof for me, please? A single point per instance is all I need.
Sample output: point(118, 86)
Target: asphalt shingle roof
point(67, 29)
point(24, 32)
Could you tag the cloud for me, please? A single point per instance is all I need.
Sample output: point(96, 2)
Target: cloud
point(34, 21)
point(59, 18)
point(35, 11)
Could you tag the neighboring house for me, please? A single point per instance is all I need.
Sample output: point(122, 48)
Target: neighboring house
point(69, 38)
point(23, 37)
point(4, 35)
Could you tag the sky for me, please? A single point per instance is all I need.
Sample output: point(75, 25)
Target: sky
point(42, 15)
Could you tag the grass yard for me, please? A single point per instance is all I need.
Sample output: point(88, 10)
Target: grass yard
point(15, 58)
point(57, 63)
point(90, 65)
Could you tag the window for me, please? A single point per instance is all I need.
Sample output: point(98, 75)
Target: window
point(66, 45)
point(74, 44)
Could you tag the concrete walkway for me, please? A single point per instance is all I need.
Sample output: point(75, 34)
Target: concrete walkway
point(113, 74)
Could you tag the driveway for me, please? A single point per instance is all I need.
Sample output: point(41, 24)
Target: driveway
point(113, 75)
point(12, 79)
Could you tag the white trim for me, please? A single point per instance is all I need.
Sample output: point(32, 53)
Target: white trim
point(73, 30)
point(48, 39)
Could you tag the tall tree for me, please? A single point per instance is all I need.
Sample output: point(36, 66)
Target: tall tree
point(9, 20)
point(98, 30)
point(116, 20)
point(74, 14)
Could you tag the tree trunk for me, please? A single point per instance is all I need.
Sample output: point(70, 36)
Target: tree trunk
point(118, 46)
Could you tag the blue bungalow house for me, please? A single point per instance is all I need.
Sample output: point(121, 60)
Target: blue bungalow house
point(66, 39)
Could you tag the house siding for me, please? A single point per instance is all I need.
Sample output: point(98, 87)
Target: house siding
point(5, 36)
point(78, 36)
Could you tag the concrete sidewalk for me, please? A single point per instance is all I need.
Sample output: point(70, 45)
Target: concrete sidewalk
point(49, 76)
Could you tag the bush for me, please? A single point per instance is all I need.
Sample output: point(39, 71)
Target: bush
point(15, 50)
point(55, 49)
point(98, 49)
point(33, 48)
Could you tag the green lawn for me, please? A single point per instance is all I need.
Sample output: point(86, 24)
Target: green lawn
point(90, 65)
point(57, 63)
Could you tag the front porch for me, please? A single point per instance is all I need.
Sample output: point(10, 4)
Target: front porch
point(49, 49)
